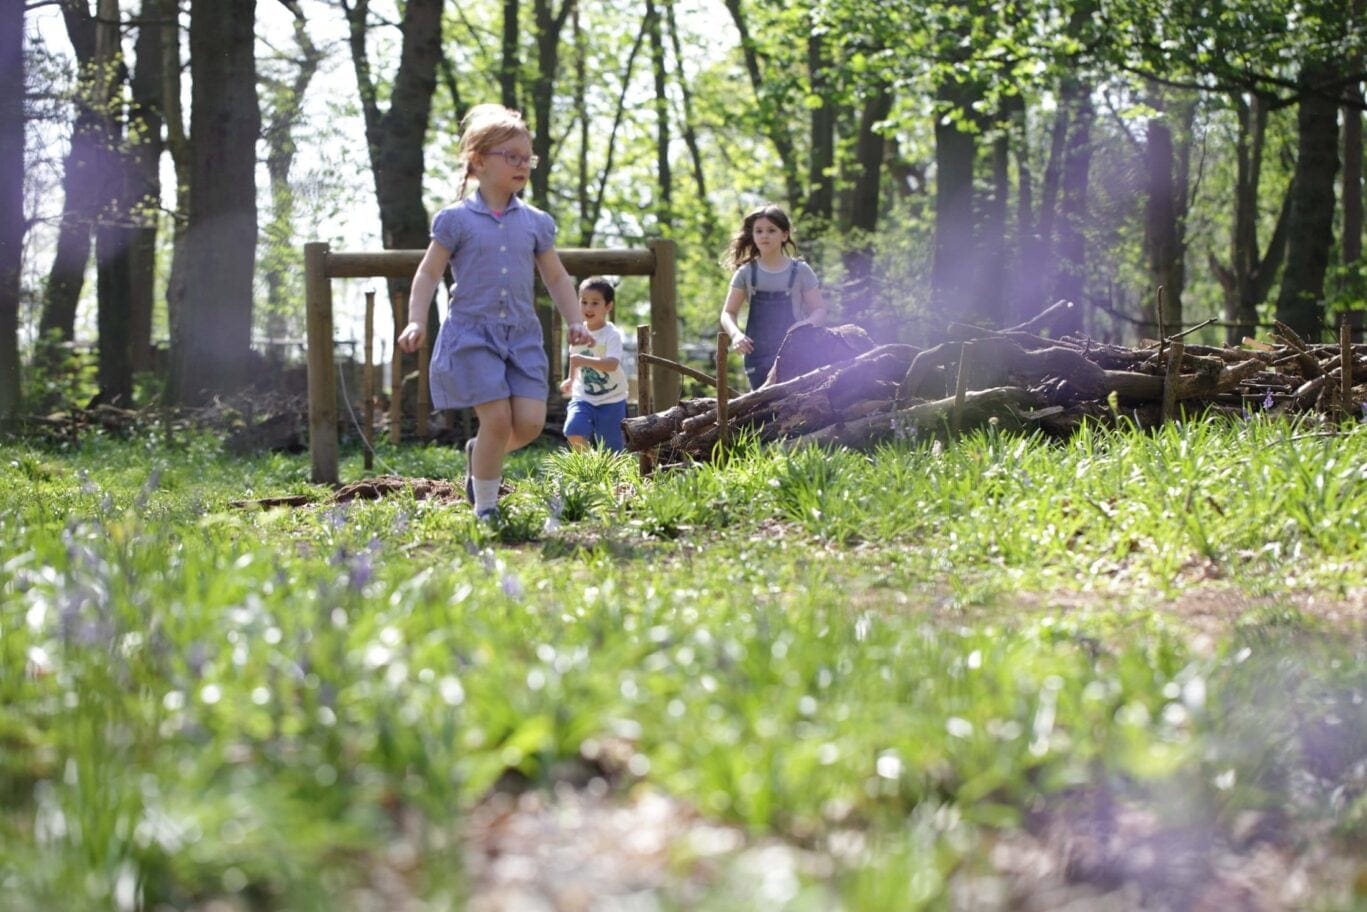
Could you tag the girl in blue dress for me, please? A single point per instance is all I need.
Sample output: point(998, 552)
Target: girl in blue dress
point(489, 353)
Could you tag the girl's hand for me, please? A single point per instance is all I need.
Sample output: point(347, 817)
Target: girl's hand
point(578, 334)
point(742, 343)
point(566, 385)
point(412, 336)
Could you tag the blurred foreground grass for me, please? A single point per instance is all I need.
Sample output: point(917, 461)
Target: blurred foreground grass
point(920, 649)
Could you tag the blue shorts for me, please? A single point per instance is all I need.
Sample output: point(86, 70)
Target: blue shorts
point(475, 363)
point(597, 422)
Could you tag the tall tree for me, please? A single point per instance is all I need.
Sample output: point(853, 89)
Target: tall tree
point(508, 62)
point(395, 137)
point(1251, 271)
point(81, 184)
point(12, 227)
point(820, 201)
point(178, 144)
point(550, 24)
point(114, 230)
point(664, 200)
point(1167, 163)
point(1070, 244)
point(870, 145)
point(212, 353)
point(1353, 187)
point(1300, 302)
point(146, 146)
point(283, 112)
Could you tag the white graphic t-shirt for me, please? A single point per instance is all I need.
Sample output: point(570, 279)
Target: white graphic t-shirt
point(600, 387)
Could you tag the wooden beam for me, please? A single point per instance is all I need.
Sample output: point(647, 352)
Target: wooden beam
point(401, 264)
point(322, 373)
point(664, 320)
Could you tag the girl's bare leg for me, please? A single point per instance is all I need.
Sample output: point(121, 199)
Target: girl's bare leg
point(505, 425)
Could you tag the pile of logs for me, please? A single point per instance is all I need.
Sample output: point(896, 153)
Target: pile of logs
point(1012, 379)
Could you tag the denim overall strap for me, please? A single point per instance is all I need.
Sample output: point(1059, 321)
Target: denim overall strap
point(771, 313)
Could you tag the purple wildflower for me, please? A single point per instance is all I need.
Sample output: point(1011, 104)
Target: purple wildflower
point(512, 587)
point(1268, 401)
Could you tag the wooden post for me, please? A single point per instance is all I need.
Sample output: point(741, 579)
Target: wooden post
point(424, 397)
point(322, 375)
point(368, 384)
point(396, 373)
point(1171, 380)
point(664, 320)
point(1346, 368)
point(644, 401)
point(723, 390)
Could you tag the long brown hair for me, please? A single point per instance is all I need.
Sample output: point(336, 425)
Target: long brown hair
point(742, 248)
point(484, 127)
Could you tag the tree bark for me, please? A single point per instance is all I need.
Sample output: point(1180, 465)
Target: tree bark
point(869, 148)
point(213, 353)
point(1352, 193)
point(820, 175)
point(1247, 279)
point(1071, 243)
point(953, 264)
point(664, 202)
point(1300, 303)
point(395, 137)
point(179, 146)
point(81, 191)
point(596, 208)
point(508, 61)
point(1166, 159)
point(550, 25)
point(281, 260)
point(114, 231)
point(146, 143)
point(12, 224)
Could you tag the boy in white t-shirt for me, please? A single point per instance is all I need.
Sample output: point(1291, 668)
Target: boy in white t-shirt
point(597, 385)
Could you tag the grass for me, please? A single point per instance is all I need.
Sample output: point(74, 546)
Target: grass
point(922, 645)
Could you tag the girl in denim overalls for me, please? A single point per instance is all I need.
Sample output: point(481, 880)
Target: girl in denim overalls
point(782, 291)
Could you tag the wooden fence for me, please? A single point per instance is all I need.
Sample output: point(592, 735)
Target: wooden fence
point(322, 265)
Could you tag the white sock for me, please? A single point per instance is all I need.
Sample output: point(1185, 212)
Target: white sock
point(486, 493)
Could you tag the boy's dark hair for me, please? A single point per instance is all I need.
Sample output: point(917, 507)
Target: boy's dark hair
point(600, 285)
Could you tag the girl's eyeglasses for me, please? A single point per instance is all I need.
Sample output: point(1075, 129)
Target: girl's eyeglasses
point(516, 160)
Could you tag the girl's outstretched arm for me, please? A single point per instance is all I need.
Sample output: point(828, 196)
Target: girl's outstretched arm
point(730, 310)
point(420, 295)
point(563, 293)
point(816, 306)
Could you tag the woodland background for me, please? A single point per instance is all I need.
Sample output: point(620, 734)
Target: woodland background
point(163, 161)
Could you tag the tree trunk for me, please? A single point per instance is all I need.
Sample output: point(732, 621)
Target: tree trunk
point(395, 137)
point(1352, 193)
point(1071, 246)
point(81, 192)
point(147, 145)
point(820, 175)
point(179, 146)
point(549, 27)
point(868, 153)
point(12, 227)
point(213, 353)
point(596, 208)
point(1166, 159)
point(114, 232)
point(1248, 278)
point(508, 62)
point(771, 117)
point(281, 261)
point(664, 204)
point(1300, 303)
point(953, 264)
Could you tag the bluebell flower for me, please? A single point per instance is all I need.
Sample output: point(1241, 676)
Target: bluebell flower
point(512, 587)
point(1268, 401)
point(359, 571)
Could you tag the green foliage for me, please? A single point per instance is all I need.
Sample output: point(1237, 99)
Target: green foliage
point(200, 701)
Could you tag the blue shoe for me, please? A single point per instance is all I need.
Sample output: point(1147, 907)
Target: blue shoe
point(469, 470)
